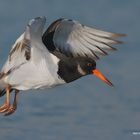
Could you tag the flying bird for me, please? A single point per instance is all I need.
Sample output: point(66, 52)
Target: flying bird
point(66, 51)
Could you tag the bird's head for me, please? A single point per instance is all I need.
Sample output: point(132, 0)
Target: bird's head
point(88, 66)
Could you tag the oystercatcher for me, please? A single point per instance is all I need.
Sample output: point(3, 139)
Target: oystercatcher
point(66, 51)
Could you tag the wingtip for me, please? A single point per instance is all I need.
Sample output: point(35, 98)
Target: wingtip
point(119, 42)
point(118, 35)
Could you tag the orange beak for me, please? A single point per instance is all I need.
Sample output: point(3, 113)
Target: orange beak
point(99, 75)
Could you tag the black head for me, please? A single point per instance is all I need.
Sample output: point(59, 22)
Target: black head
point(85, 66)
point(70, 69)
point(88, 66)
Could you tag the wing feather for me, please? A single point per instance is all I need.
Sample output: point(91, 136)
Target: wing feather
point(19, 54)
point(21, 51)
point(74, 39)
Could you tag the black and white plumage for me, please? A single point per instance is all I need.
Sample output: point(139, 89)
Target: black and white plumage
point(74, 39)
point(65, 52)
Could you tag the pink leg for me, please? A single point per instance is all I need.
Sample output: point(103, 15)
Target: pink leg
point(6, 105)
point(13, 107)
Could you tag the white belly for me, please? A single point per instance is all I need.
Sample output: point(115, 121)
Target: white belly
point(34, 76)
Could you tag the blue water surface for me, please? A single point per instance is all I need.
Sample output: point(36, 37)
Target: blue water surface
point(86, 109)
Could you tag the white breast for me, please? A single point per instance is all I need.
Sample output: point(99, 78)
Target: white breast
point(42, 74)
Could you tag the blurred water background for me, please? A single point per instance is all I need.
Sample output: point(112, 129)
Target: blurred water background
point(86, 109)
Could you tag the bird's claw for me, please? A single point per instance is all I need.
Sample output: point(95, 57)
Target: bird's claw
point(7, 109)
point(10, 111)
point(4, 108)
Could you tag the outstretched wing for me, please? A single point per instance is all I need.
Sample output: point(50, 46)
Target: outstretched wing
point(19, 54)
point(74, 39)
point(21, 51)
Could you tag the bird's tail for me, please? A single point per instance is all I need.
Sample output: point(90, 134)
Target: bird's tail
point(3, 92)
point(3, 88)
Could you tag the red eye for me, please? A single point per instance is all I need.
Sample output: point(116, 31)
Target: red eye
point(89, 64)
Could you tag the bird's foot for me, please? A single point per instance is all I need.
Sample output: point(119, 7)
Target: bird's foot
point(10, 110)
point(4, 107)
